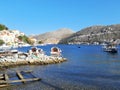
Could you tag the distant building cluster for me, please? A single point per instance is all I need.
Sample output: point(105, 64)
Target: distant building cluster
point(10, 38)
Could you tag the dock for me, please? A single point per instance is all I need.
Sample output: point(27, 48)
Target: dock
point(5, 79)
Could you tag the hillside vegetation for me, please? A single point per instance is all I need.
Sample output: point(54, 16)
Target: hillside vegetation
point(3, 27)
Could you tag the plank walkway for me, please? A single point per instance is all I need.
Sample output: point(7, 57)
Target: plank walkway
point(5, 79)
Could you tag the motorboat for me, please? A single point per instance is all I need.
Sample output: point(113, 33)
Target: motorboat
point(112, 48)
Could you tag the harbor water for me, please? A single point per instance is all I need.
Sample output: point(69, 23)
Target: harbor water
point(87, 67)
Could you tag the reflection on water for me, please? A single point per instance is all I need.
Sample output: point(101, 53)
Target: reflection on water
point(87, 68)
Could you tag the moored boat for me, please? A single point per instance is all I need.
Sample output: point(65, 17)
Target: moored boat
point(35, 52)
point(55, 51)
point(112, 48)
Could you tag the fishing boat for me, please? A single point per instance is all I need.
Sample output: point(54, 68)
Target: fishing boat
point(112, 48)
point(55, 51)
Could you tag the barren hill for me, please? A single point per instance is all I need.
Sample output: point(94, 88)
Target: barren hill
point(55, 36)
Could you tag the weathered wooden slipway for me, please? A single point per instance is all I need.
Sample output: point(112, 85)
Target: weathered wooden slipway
point(5, 79)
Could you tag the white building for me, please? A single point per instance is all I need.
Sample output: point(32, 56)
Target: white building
point(10, 37)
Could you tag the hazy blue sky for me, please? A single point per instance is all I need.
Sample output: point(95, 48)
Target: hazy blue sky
point(40, 16)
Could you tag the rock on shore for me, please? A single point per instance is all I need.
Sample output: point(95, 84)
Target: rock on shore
point(42, 60)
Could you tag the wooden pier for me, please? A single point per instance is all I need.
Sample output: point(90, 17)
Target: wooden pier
point(5, 80)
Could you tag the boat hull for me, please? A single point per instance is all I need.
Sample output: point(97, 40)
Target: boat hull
point(111, 50)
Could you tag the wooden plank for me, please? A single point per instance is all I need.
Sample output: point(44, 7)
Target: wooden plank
point(1, 77)
point(6, 77)
point(20, 76)
point(4, 85)
point(5, 81)
point(2, 80)
point(23, 80)
point(1, 74)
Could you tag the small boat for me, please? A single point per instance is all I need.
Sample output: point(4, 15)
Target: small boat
point(55, 51)
point(5, 47)
point(112, 48)
point(35, 51)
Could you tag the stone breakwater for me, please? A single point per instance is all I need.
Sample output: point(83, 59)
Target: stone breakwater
point(42, 60)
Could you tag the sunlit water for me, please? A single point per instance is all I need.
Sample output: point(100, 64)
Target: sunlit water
point(87, 68)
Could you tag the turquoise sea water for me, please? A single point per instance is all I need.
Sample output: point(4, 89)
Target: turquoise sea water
point(87, 68)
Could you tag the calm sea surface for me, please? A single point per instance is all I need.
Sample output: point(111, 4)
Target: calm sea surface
point(87, 68)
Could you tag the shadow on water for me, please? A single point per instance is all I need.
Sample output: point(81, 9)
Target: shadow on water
point(53, 86)
point(113, 55)
point(110, 53)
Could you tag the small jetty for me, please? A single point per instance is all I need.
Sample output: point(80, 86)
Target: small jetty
point(6, 79)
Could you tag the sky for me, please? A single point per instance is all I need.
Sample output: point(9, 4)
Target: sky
point(40, 16)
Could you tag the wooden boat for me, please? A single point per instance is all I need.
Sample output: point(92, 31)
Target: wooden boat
point(55, 51)
point(112, 48)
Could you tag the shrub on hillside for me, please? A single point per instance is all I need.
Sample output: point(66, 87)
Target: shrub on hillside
point(3, 27)
point(1, 42)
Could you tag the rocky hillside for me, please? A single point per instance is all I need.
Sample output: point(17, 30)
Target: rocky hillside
point(94, 34)
point(55, 36)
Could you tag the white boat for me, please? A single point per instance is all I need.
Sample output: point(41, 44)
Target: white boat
point(55, 51)
point(7, 52)
point(112, 48)
point(5, 47)
point(34, 51)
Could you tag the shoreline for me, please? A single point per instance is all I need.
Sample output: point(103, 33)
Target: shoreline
point(34, 56)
